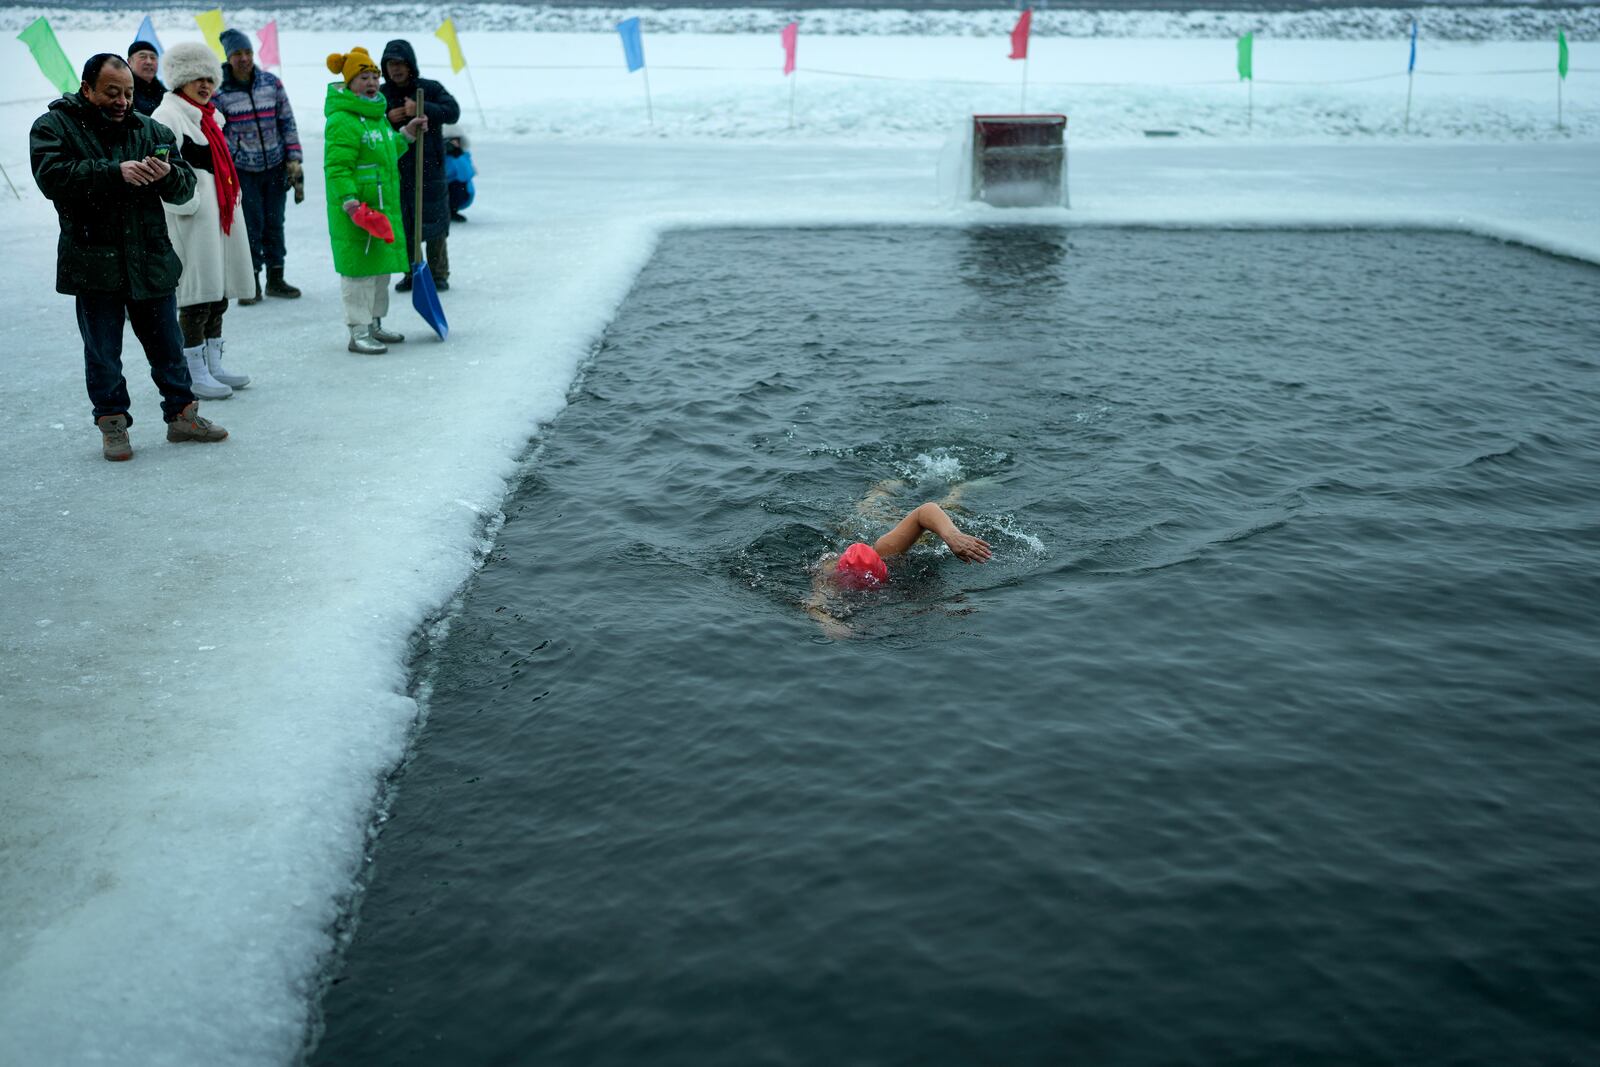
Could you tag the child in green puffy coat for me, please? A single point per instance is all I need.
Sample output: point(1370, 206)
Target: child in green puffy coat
point(360, 169)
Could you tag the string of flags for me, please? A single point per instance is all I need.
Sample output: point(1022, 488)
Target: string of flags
point(59, 71)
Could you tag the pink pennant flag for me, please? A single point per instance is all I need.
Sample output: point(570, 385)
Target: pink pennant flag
point(791, 39)
point(269, 45)
point(1019, 35)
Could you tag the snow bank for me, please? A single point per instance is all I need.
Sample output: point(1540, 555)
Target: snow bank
point(203, 653)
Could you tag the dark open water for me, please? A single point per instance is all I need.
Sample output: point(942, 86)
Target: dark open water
point(1271, 736)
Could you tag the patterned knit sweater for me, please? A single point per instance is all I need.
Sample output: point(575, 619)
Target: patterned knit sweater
point(260, 130)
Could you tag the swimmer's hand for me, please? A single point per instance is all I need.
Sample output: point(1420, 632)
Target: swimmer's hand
point(968, 549)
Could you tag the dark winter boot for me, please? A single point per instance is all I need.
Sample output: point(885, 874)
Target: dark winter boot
point(404, 284)
point(243, 300)
point(276, 286)
point(114, 429)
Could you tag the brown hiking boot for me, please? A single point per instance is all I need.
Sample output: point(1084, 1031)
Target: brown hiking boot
point(115, 430)
point(189, 426)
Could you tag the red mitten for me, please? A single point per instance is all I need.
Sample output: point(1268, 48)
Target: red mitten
point(374, 222)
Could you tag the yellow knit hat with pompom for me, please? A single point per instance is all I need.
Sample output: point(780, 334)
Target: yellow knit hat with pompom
point(352, 63)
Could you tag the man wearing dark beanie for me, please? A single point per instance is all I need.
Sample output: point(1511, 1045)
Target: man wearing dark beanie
point(143, 60)
point(266, 152)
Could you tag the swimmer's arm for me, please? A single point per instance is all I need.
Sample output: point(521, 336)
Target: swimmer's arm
point(831, 626)
point(930, 517)
point(816, 606)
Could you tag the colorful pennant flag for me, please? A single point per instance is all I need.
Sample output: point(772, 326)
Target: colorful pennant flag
point(1019, 35)
point(447, 33)
point(53, 62)
point(211, 27)
point(1561, 54)
point(1411, 73)
point(1246, 66)
point(147, 32)
point(632, 43)
point(791, 40)
point(268, 52)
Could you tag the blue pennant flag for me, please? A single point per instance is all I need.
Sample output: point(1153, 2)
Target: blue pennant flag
point(147, 32)
point(1412, 65)
point(632, 43)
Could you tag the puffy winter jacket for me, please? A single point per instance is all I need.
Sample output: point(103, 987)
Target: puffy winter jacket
point(261, 130)
point(113, 235)
point(458, 170)
point(360, 159)
point(441, 108)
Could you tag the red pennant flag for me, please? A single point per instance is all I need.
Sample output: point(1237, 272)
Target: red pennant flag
point(269, 45)
point(791, 38)
point(1019, 35)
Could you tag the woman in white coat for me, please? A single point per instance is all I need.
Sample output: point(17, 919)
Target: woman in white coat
point(208, 231)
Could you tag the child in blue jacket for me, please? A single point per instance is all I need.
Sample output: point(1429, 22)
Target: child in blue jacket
point(458, 172)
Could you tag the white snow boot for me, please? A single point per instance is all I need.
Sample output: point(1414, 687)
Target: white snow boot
point(220, 373)
point(382, 336)
point(201, 383)
point(363, 343)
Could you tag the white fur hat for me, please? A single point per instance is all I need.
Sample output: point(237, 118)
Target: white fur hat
point(189, 61)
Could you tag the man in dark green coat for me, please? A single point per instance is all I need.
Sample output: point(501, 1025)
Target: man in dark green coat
point(107, 169)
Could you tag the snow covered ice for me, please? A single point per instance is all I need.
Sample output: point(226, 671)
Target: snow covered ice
point(203, 652)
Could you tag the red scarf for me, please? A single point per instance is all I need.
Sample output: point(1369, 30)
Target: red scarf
point(227, 179)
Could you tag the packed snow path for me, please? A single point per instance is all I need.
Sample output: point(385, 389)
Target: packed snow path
point(203, 651)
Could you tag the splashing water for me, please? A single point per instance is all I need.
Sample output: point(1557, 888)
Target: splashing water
point(942, 464)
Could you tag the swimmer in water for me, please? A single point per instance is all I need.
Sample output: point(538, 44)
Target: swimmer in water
point(861, 566)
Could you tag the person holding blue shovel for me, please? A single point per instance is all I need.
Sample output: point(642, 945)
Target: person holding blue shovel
point(361, 173)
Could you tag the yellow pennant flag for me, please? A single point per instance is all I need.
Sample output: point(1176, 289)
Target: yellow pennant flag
point(447, 33)
point(211, 27)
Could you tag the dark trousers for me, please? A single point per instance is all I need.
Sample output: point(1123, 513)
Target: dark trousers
point(201, 322)
point(155, 324)
point(438, 252)
point(434, 248)
point(262, 194)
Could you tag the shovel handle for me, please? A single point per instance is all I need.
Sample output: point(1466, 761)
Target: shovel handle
point(416, 246)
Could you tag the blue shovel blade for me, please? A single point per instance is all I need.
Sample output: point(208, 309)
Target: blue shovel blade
point(425, 298)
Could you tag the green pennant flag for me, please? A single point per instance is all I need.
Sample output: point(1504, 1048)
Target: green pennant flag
point(1246, 45)
point(1561, 55)
point(53, 62)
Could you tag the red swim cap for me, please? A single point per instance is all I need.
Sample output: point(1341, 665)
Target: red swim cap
point(861, 567)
